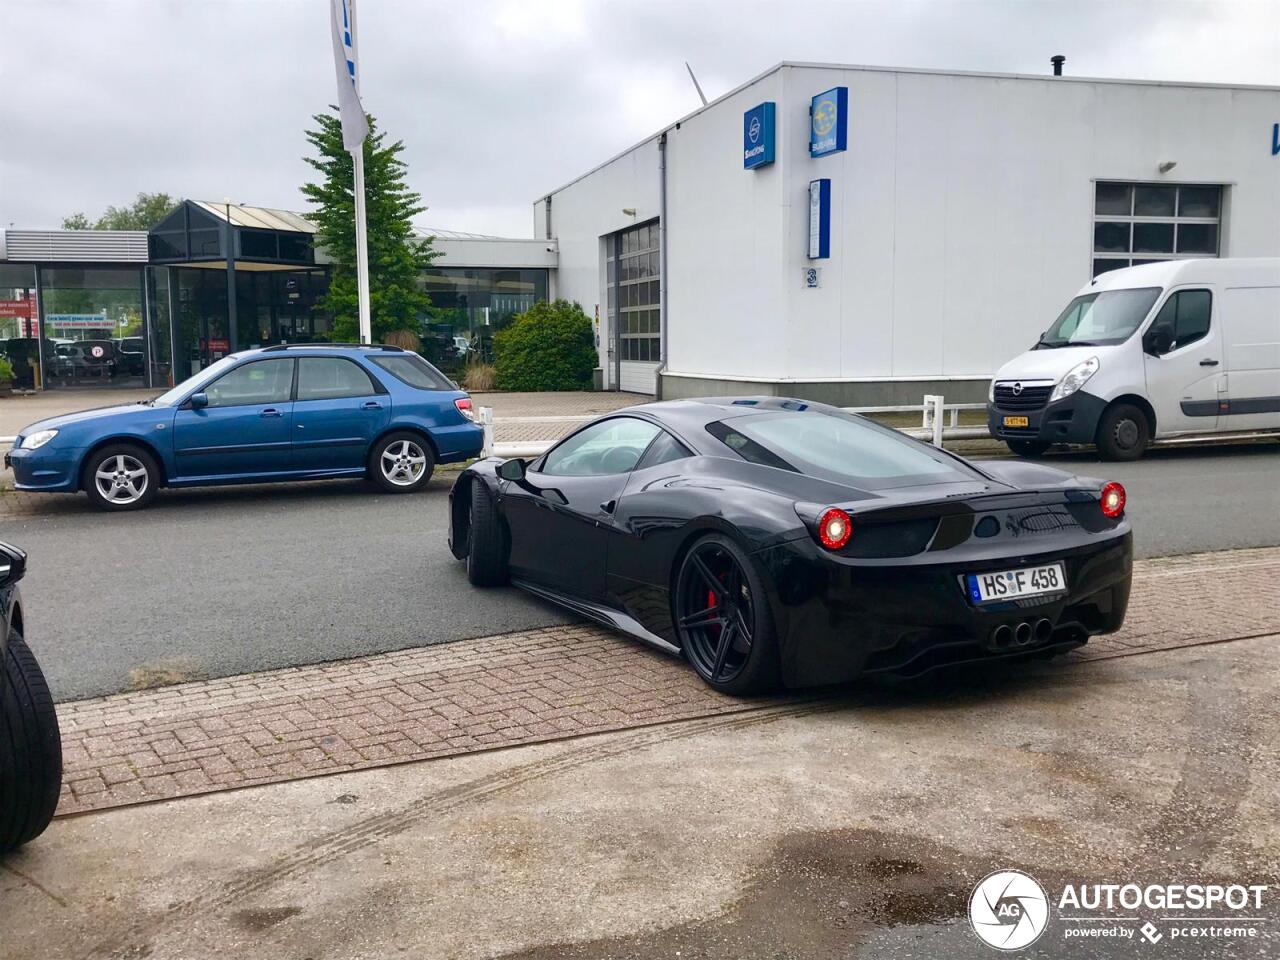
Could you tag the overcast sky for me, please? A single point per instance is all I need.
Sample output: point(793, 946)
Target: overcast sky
point(497, 101)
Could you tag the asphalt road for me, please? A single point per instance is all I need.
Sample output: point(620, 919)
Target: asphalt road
point(224, 581)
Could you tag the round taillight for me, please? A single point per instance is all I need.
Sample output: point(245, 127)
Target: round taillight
point(1112, 499)
point(834, 528)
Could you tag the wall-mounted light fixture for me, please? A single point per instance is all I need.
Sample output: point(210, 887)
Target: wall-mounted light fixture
point(629, 211)
point(1168, 165)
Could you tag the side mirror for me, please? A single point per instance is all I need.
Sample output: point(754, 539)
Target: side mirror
point(1159, 340)
point(513, 469)
point(13, 564)
point(199, 400)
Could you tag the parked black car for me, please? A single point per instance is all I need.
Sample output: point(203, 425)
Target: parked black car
point(778, 541)
point(30, 745)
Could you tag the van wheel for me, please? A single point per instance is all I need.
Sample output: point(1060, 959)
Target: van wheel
point(1030, 449)
point(1123, 433)
point(30, 748)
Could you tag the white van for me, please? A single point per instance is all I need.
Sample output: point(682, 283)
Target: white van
point(1180, 350)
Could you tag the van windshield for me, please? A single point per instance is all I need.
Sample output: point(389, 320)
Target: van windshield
point(1096, 319)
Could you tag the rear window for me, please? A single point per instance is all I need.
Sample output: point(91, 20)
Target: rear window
point(412, 369)
point(837, 447)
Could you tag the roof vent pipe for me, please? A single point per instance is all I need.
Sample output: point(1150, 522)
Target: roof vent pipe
point(1057, 61)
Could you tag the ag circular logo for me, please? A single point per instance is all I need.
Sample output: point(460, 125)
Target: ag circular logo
point(1017, 389)
point(1008, 910)
point(824, 117)
point(753, 129)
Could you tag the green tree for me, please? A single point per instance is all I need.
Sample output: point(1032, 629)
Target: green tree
point(550, 346)
point(143, 214)
point(397, 300)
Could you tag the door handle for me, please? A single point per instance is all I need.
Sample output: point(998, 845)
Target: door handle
point(1208, 363)
point(609, 505)
point(270, 412)
point(371, 405)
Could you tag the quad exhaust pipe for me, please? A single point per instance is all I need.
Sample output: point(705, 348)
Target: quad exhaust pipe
point(1022, 634)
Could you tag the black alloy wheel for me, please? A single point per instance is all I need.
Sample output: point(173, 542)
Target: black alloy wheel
point(721, 617)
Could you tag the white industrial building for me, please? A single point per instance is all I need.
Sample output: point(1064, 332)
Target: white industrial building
point(961, 214)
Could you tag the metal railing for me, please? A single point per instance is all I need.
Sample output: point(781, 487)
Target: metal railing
point(939, 421)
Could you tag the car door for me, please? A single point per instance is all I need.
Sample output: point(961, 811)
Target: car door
point(337, 411)
point(560, 515)
point(245, 430)
point(1186, 380)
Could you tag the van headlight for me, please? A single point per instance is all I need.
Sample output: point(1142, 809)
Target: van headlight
point(1074, 379)
point(38, 439)
point(991, 391)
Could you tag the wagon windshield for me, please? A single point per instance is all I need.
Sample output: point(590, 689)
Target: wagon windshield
point(838, 447)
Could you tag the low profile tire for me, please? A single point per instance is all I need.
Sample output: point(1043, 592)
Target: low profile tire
point(1123, 433)
point(401, 462)
point(723, 619)
point(486, 544)
point(30, 748)
point(1029, 449)
point(120, 477)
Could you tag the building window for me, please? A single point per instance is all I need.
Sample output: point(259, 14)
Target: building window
point(635, 280)
point(1136, 223)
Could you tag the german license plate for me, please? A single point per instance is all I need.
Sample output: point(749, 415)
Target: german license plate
point(1016, 422)
point(1015, 584)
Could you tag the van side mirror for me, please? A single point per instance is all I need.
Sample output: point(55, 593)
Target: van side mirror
point(513, 469)
point(1158, 341)
point(199, 400)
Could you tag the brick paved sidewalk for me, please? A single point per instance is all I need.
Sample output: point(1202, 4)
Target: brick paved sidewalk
point(508, 690)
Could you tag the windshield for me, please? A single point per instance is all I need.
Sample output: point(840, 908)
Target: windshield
point(174, 394)
point(1095, 319)
point(837, 447)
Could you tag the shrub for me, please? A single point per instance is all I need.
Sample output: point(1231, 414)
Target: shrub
point(479, 376)
point(548, 347)
point(6, 369)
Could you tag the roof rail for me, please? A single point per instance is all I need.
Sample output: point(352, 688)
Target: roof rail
point(369, 346)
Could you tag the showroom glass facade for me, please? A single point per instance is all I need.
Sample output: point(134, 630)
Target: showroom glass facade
point(474, 302)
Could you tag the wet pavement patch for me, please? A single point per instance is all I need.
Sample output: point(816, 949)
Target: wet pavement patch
point(818, 896)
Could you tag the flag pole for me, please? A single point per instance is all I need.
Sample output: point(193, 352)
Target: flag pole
point(362, 233)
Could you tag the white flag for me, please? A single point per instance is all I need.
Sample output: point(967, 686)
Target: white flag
point(355, 127)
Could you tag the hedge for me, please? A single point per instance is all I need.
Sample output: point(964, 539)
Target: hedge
point(551, 346)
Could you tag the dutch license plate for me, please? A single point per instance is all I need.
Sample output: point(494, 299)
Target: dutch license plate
point(1015, 584)
point(1016, 422)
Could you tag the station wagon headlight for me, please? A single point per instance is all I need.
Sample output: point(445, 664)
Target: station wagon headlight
point(1074, 379)
point(38, 439)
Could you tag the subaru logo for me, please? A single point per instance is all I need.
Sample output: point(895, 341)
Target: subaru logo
point(1017, 389)
point(753, 129)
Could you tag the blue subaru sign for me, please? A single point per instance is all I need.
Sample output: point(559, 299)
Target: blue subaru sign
point(829, 122)
point(757, 136)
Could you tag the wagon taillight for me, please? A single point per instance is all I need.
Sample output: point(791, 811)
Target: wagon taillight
point(464, 407)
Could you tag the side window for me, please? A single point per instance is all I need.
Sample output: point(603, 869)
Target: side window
point(1185, 315)
point(261, 381)
point(610, 446)
point(331, 378)
point(664, 449)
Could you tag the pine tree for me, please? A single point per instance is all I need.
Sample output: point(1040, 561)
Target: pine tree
point(396, 259)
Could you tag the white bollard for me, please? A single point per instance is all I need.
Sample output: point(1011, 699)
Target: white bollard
point(486, 421)
point(933, 409)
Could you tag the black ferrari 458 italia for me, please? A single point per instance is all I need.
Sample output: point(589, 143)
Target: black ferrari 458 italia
point(777, 541)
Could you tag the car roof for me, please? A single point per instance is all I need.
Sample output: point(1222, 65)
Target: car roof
point(697, 412)
point(320, 349)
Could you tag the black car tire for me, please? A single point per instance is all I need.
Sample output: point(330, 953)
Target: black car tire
point(1028, 449)
point(761, 672)
point(30, 748)
point(397, 452)
point(120, 458)
point(1123, 433)
point(486, 543)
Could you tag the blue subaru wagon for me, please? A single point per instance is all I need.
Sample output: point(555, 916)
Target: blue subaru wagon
point(287, 412)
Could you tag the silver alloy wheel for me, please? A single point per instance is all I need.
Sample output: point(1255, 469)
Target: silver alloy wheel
point(121, 479)
point(403, 463)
